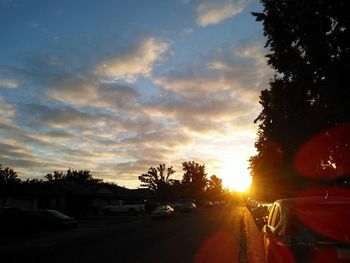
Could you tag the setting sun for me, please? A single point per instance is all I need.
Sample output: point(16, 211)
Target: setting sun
point(236, 178)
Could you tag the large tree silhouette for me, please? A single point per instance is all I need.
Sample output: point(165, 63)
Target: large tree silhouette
point(214, 189)
point(158, 180)
point(309, 94)
point(8, 176)
point(194, 180)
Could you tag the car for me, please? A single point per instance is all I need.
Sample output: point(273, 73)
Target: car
point(308, 229)
point(176, 206)
point(207, 204)
point(260, 214)
point(22, 221)
point(57, 220)
point(188, 207)
point(163, 211)
point(121, 206)
point(251, 203)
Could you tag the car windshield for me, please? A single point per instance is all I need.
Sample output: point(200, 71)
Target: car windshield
point(57, 214)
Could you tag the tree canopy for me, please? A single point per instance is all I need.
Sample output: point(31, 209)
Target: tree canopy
point(157, 179)
point(194, 179)
point(308, 43)
point(74, 176)
point(8, 176)
point(193, 185)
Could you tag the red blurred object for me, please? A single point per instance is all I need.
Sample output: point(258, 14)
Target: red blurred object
point(218, 248)
point(330, 216)
point(326, 155)
point(311, 228)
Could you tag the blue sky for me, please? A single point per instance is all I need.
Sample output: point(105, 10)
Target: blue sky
point(118, 86)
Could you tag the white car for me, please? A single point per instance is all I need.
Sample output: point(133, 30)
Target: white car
point(163, 211)
point(121, 206)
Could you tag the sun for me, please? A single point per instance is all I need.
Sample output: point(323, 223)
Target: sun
point(235, 178)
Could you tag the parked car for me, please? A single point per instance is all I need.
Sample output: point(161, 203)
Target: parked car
point(312, 229)
point(208, 204)
point(176, 206)
point(251, 204)
point(4, 210)
point(163, 211)
point(188, 207)
point(121, 206)
point(260, 214)
point(19, 221)
point(56, 219)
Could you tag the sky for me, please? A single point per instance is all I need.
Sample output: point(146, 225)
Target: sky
point(115, 86)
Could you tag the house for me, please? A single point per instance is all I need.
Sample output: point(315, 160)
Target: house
point(71, 198)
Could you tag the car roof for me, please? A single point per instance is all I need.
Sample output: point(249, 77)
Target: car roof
point(286, 203)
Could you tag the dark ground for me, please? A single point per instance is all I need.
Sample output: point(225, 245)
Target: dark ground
point(205, 235)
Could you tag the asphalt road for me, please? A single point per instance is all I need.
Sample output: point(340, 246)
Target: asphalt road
point(205, 235)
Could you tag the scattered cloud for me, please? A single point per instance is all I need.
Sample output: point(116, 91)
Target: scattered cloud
point(217, 97)
point(8, 83)
point(118, 115)
point(85, 89)
point(7, 111)
point(187, 31)
point(135, 63)
point(213, 12)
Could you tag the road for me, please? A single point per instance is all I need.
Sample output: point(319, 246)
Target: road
point(219, 234)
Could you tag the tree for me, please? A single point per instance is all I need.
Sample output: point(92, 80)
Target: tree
point(215, 183)
point(33, 181)
point(214, 189)
point(74, 176)
point(309, 94)
point(56, 176)
point(158, 180)
point(194, 179)
point(8, 176)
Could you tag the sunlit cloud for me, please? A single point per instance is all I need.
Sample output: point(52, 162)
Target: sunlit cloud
point(7, 111)
point(8, 83)
point(135, 63)
point(85, 89)
point(214, 12)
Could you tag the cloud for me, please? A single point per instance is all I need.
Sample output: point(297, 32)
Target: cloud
point(217, 97)
point(187, 31)
point(101, 120)
point(8, 83)
point(62, 117)
point(134, 63)
point(7, 111)
point(103, 85)
point(85, 89)
point(213, 12)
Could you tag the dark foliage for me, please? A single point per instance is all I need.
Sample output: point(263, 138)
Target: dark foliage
point(214, 188)
point(193, 185)
point(8, 176)
point(194, 180)
point(73, 176)
point(158, 180)
point(309, 94)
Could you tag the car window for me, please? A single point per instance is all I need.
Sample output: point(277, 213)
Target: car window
point(277, 217)
point(271, 215)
